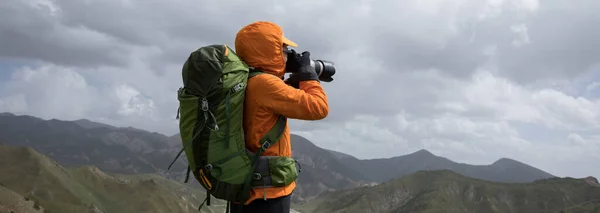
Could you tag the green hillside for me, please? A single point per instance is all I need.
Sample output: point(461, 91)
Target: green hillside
point(447, 191)
point(87, 189)
point(12, 202)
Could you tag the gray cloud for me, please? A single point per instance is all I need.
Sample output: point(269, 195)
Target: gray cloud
point(447, 36)
point(473, 81)
point(36, 32)
point(562, 39)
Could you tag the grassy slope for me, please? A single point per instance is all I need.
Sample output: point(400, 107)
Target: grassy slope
point(445, 191)
point(13, 202)
point(82, 189)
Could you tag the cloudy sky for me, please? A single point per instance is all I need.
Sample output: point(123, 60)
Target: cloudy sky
point(470, 80)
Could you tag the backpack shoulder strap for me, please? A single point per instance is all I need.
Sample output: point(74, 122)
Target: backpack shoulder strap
point(254, 72)
point(277, 130)
point(273, 135)
point(266, 141)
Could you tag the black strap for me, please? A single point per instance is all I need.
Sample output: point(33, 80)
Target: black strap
point(178, 154)
point(207, 198)
point(202, 204)
point(187, 174)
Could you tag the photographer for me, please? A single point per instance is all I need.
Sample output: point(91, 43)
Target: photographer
point(262, 46)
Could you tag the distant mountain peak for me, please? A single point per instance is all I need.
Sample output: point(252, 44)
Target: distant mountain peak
point(506, 161)
point(423, 153)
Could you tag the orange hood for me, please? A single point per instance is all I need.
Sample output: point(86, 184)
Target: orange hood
point(260, 44)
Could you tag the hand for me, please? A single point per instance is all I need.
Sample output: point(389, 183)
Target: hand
point(303, 70)
point(293, 62)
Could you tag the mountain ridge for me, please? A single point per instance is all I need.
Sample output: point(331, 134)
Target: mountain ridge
point(123, 150)
point(34, 177)
point(89, 124)
point(372, 172)
point(425, 160)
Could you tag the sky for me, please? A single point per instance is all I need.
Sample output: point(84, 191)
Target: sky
point(470, 80)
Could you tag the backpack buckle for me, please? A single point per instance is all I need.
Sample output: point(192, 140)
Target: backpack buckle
point(237, 87)
point(266, 145)
point(256, 176)
point(204, 104)
point(208, 167)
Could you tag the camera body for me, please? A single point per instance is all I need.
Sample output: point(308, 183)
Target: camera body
point(325, 69)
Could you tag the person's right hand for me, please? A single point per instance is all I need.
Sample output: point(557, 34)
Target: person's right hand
point(293, 61)
point(304, 71)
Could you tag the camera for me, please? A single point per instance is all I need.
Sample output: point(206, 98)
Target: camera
point(325, 69)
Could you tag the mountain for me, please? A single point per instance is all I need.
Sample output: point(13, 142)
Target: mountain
point(34, 180)
point(327, 170)
point(448, 191)
point(133, 151)
point(321, 171)
point(83, 142)
point(503, 170)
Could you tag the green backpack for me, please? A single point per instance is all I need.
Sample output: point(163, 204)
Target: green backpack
point(211, 106)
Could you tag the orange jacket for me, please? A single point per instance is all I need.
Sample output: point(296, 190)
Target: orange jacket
point(260, 45)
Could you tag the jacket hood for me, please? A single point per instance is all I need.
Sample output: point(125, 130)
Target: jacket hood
point(260, 45)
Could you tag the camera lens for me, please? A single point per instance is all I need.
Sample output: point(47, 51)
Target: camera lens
point(325, 69)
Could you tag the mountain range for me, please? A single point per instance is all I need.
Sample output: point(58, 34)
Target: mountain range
point(83, 142)
point(502, 170)
point(131, 151)
point(330, 170)
point(33, 182)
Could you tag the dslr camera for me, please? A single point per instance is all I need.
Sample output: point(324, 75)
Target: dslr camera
point(325, 69)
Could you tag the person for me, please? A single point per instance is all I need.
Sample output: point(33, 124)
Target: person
point(262, 45)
